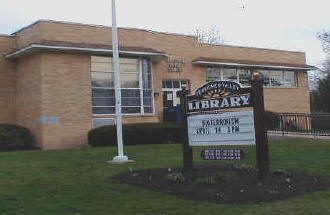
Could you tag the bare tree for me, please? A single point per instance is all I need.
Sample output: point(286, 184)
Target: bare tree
point(321, 92)
point(209, 35)
point(324, 37)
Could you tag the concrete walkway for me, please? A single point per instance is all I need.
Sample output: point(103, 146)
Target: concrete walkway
point(279, 135)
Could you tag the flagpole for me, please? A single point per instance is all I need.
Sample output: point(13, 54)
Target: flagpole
point(120, 158)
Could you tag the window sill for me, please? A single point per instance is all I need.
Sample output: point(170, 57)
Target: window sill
point(280, 87)
point(124, 115)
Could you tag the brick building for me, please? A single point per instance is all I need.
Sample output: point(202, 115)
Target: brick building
point(56, 78)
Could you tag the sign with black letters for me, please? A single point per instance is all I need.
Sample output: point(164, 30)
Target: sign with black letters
point(222, 154)
point(225, 113)
point(221, 128)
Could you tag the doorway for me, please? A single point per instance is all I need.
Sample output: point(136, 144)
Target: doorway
point(171, 102)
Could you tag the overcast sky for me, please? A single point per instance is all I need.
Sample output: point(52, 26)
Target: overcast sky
point(280, 24)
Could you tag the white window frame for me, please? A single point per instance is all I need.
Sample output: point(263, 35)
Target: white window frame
point(142, 113)
point(268, 86)
point(283, 86)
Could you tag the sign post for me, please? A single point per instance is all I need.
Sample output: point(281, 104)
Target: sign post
point(187, 153)
point(260, 131)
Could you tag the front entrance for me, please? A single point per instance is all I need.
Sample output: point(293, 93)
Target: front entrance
point(171, 102)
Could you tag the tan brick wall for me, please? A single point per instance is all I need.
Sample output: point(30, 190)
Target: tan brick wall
point(28, 94)
point(7, 82)
point(66, 94)
point(59, 85)
point(177, 45)
point(289, 100)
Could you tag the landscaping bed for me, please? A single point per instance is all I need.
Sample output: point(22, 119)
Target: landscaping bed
point(225, 183)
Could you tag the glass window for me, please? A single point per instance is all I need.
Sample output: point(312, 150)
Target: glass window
point(265, 74)
point(229, 74)
point(277, 78)
point(213, 74)
point(176, 84)
point(98, 122)
point(135, 93)
point(244, 77)
point(102, 79)
point(147, 87)
point(289, 79)
point(273, 78)
point(129, 80)
point(167, 84)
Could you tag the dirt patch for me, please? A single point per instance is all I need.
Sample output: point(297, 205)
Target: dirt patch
point(225, 184)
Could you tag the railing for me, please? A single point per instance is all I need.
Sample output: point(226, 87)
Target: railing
point(313, 124)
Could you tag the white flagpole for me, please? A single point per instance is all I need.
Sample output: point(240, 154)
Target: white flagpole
point(121, 157)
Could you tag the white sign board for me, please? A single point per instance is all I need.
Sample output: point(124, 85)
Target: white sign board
point(228, 128)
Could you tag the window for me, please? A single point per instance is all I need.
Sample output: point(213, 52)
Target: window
point(136, 86)
point(244, 76)
point(175, 84)
point(98, 122)
point(279, 78)
point(273, 78)
point(213, 74)
point(241, 76)
point(229, 74)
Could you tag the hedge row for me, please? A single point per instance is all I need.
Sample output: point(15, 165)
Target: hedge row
point(150, 133)
point(14, 137)
point(136, 134)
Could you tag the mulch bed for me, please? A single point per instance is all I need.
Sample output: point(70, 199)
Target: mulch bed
point(225, 184)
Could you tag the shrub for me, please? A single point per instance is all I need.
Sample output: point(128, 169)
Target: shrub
point(136, 134)
point(15, 137)
point(272, 120)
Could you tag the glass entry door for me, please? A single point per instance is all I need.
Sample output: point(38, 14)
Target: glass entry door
point(171, 102)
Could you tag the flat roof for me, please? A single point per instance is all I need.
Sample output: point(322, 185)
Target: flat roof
point(146, 30)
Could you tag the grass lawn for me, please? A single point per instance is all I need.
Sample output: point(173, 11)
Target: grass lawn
point(79, 182)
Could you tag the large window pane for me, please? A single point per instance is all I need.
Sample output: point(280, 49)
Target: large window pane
point(103, 93)
point(176, 84)
point(129, 80)
point(103, 110)
point(244, 76)
point(148, 109)
point(102, 79)
point(101, 67)
point(167, 84)
point(213, 74)
point(110, 101)
point(130, 101)
point(147, 98)
point(229, 74)
point(131, 110)
point(276, 77)
point(265, 74)
point(146, 74)
point(130, 93)
point(289, 79)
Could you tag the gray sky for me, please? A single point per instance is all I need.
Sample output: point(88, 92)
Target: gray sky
point(281, 24)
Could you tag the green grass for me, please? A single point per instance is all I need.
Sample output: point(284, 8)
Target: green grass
point(79, 182)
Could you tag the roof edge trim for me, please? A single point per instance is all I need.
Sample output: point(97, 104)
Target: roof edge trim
point(34, 47)
point(199, 62)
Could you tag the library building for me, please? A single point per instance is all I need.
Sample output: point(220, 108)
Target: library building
point(56, 78)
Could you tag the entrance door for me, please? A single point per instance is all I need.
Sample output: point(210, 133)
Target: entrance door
point(171, 102)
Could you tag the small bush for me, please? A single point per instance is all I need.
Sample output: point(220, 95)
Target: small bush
point(272, 120)
point(136, 134)
point(15, 137)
